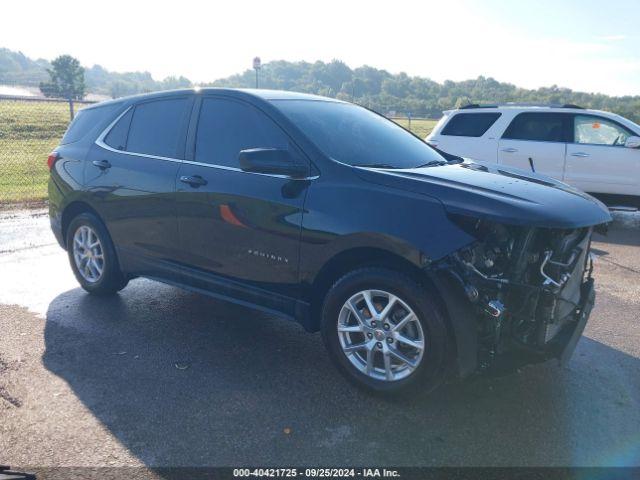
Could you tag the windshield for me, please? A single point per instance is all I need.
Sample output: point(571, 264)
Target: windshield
point(356, 136)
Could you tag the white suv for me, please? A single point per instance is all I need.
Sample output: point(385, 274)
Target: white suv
point(595, 151)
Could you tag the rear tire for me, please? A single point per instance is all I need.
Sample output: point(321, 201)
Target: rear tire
point(93, 257)
point(392, 350)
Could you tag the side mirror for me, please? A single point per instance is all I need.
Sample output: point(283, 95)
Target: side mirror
point(632, 142)
point(272, 161)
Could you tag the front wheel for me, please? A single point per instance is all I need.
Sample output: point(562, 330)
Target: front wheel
point(93, 257)
point(384, 332)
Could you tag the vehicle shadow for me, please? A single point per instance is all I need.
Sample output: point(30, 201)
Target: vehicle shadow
point(183, 380)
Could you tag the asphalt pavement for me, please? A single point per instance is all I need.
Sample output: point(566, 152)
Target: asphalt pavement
point(157, 376)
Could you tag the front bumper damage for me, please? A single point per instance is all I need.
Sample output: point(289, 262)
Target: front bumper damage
point(516, 355)
point(517, 296)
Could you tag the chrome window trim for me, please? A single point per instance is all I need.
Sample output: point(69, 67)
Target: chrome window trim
point(235, 169)
point(100, 142)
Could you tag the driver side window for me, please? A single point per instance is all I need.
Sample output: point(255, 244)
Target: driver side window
point(227, 126)
point(592, 130)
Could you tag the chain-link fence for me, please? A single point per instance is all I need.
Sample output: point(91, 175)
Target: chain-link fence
point(419, 126)
point(29, 130)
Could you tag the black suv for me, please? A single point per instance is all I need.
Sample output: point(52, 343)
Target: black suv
point(414, 264)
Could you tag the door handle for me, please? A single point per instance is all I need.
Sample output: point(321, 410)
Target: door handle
point(580, 154)
point(102, 164)
point(193, 180)
point(510, 150)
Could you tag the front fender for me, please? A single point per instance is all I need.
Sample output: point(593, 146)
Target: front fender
point(344, 215)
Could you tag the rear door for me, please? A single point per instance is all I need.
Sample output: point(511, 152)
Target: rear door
point(598, 161)
point(131, 173)
point(239, 231)
point(538, 139)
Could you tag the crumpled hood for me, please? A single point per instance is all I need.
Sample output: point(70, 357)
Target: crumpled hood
point(503, 194)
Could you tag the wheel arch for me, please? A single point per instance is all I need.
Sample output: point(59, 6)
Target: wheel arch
point(71, 211)
point(361, 257)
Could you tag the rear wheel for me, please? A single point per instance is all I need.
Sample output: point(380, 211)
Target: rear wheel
point(93, 257)
point(384, 332)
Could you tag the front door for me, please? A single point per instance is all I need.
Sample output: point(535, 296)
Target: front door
point(535, 141)
point(239, 231)
point(597, 160)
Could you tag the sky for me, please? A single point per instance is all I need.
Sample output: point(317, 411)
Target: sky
point(586, 45)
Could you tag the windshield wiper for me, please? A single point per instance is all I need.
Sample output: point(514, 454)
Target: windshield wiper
point(376, 165)
point(433, 163)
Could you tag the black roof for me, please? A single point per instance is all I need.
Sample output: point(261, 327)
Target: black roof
point(264, 94)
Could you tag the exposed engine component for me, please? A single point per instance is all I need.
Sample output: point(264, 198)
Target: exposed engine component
point(525, 283)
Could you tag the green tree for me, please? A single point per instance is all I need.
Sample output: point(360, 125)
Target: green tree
point(66, 79)
point(462, 101)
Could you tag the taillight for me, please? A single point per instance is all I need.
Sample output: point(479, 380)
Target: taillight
point(51, 159)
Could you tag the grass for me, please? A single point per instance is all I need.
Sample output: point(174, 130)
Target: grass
point(420, 126)
point(29, 131)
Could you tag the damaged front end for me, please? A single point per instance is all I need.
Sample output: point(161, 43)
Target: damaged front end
point(530, 290)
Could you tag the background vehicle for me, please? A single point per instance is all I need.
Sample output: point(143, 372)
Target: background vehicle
point(326, 213)
point(595, 151)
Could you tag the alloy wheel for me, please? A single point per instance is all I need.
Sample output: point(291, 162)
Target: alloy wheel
point(88, 254)
point(381, 335)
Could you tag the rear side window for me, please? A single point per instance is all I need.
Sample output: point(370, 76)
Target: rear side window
point(158, 127)
point(541, 127)
point(226, 127)
point(117, 136)
point(470, 124)
point(84, 121)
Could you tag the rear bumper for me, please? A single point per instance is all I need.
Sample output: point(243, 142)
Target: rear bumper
point(56, 228)
point(55, 212)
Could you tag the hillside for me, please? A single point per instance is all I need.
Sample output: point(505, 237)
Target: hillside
point(384, 92)
point(369, 86)
point(18, 69)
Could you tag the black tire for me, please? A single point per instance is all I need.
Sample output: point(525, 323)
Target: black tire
point(112, 279)
point(431, 369)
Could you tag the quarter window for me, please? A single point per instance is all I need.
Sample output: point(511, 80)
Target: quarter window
point(117, 136)
point(598, 131)
point(226, 127)
point(470, 124)
point(542, 127)
point(157, 127)
point(86, 120)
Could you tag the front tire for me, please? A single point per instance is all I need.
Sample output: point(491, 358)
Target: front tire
point(93, 257)
point(384, 332)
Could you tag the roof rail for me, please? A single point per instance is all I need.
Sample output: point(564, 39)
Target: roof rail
point(517, 104)
point(477, 105)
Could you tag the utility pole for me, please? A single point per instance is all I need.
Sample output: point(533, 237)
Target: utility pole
point(257, 65)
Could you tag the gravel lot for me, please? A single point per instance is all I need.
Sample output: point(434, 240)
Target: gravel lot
point(161, 377)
